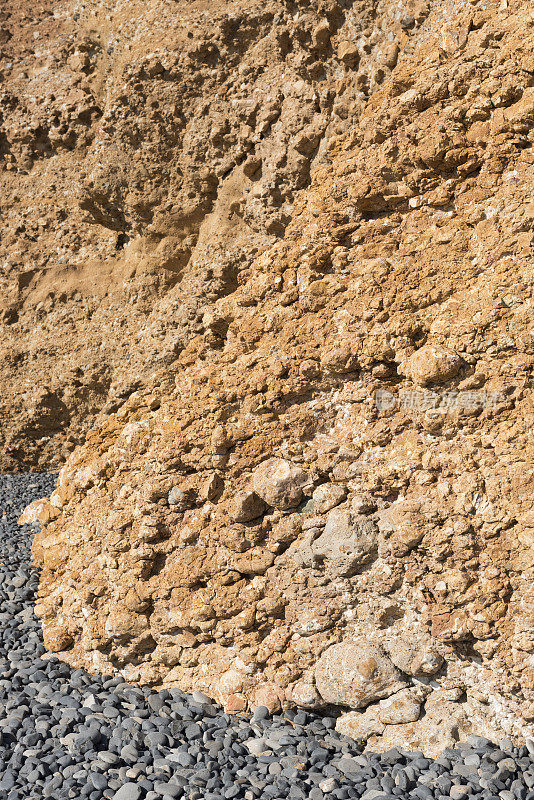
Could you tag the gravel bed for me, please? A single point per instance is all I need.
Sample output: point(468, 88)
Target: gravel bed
point(67, 734)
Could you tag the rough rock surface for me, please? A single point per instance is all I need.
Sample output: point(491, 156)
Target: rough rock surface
point(354, 673)
point(381, 352)
point(148, 151)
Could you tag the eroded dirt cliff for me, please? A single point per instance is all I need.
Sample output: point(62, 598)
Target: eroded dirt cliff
point(325, 497)
point(148, 151)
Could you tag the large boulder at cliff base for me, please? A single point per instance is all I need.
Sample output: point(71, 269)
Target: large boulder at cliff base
point(356, 673)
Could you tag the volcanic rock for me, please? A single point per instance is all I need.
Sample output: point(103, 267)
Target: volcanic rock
point(346, 543)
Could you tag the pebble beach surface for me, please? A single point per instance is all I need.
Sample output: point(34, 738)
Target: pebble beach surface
point(67, 734)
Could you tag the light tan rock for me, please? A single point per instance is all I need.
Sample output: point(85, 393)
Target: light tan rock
point(42, 511)
point(235, 703)
point(348, 53)
point(431, 734)
point(321, 35)
point(414, 653)
point(399, 708)
point(360, 725)
point(404, 523)
point(431, 364)
point(268, 695)
point(355, 673)
point(247, 506)
point(327, 496)
point(57, 638)
point(304, 694)
point(346, 542)
point(279, 483)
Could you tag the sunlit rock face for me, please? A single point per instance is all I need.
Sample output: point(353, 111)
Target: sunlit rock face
point(326, 497)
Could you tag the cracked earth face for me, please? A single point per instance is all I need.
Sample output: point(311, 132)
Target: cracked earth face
point(148, 153)
point(309, 475)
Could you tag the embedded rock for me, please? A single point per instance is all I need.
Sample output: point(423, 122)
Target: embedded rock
point(404, 522)
point(355, 673)
point(247, 506)
point(431, 364)
point(414, 653)
point(304, 694)
point(346, 542)
point(327, 496)
point(397, 722)
point(279, 483)
point(399, 708)
point(57, 638)
point(360, 725)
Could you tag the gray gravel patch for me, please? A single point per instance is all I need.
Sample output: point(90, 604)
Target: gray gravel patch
point(68, 735)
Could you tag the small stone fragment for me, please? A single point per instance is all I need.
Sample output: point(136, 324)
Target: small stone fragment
point(269, 696)
point(348, 53)
point(246, 506)
point(305, 695)
point(414, 653)
point(360, 725)
point(321, 35)
point(346, 541)
point(327, 496)
point(57, 638)
point(176, 496)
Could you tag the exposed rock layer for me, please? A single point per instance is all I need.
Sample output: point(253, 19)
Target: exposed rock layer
point(148, 151)
point(326, 497)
